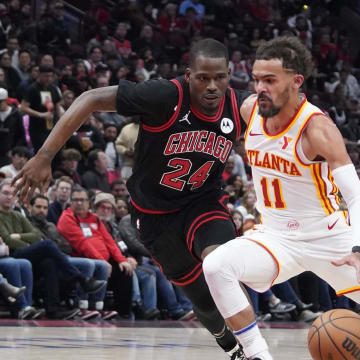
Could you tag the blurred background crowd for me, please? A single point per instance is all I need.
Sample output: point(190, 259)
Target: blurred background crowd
point(52, 51)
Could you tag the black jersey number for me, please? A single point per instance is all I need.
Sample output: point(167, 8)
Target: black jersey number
point(172, 179)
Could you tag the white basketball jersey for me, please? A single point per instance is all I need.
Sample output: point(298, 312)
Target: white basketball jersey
point(291, 190)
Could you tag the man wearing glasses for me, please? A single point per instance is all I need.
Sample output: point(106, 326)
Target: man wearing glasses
point(47, 260)
point(89, 238)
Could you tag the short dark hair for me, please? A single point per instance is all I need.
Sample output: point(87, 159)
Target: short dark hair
point(77, 189)
point(71, 154)
point(38, 196)
point(21, 151)
point(208, 48)
point(294, 54)
point(64, 178)
point(46, 69)
point(117, 182)
point(93, 156)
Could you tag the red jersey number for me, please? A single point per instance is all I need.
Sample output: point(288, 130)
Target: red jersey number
point(172, 179)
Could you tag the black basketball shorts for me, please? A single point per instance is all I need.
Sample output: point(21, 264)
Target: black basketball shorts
point(176, 240)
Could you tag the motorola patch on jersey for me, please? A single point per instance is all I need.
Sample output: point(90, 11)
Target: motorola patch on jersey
point(226, 125)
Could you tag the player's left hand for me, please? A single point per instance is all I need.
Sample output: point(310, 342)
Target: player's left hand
point(352, 259)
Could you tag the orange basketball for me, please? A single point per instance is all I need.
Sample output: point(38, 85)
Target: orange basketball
point(335, 335)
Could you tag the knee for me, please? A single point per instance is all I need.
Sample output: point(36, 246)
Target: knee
point(49, 244)
point(25, 264)
point(214, 263)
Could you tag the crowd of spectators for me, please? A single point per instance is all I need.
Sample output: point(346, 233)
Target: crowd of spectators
point(45, 65)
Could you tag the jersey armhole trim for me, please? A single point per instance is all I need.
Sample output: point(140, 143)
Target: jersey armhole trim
point(251, 119)
point(171, 121)
point(296, 143)
point(236, 113)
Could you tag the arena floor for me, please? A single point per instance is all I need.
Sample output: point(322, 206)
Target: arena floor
point(140, 340)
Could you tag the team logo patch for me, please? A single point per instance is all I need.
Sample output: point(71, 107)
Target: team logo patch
point(186, 118)
point(285, 142)
point(226, 125)
point(94, 226)
point(293, 225)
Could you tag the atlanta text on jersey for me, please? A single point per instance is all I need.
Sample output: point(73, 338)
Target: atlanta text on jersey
point(272, 161)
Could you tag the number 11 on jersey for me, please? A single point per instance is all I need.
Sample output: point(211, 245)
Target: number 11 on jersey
point(279, 201)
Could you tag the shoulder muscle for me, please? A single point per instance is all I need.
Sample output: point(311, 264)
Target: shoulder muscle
point(247, 107)
point(323, 138)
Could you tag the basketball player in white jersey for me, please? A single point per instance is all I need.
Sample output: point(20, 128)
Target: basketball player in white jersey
point(299, 162)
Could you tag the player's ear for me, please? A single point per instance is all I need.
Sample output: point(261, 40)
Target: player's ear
point(187, 75)
point(298, 81)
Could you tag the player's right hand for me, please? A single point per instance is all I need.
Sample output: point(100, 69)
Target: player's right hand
point(36, 173)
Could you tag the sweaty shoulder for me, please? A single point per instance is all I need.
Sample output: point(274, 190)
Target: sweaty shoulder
point(247, 107)
point(149, 98)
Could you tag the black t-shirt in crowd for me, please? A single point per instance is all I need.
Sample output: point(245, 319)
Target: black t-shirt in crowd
point(180, 153)
point(41, 99)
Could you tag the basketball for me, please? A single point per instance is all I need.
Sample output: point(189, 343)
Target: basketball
point(335, 335)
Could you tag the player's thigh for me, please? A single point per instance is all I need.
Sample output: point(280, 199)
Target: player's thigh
point(207, 223)
point(214, 232)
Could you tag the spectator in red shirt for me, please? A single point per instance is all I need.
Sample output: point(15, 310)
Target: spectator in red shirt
point(122, 44)
point(89, 238)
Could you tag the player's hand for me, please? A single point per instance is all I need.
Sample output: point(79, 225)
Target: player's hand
point(126, 267)
point(353, 260)
point(36, 173)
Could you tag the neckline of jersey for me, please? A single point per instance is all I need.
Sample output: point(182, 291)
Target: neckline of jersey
point(287, 126)
point(214, 118)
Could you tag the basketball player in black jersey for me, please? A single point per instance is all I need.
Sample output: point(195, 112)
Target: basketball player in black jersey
point(188, 127)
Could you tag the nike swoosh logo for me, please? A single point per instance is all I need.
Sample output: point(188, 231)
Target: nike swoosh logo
point(331, 226)
point(252, 134)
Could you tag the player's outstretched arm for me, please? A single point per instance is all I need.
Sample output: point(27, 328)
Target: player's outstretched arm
point(324, 139)
point(37, 171)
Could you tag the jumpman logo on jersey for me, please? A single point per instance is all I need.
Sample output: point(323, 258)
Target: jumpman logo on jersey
point(287, 141)
point(186, 118)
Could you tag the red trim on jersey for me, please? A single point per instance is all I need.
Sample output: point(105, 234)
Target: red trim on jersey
point(171, 121)
point(222, 199)
point(299, 137)
point(148, 211)
point(288, 124)
point(236, 113)
point(328, 201)
point(190, 273)
point(214, 118)
point(321, 192)
point(192, 228)
point(203, 222)
point(199, 272)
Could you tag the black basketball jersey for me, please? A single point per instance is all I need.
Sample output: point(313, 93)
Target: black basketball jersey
point(180, 153)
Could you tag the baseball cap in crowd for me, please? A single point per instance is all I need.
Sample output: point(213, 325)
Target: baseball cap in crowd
point(105, 197)
point(3, 94)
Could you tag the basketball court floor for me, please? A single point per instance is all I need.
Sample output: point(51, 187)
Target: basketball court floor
point(130, 340)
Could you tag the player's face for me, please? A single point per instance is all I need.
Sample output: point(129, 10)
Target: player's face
point(273, 85)
point(208, 80)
